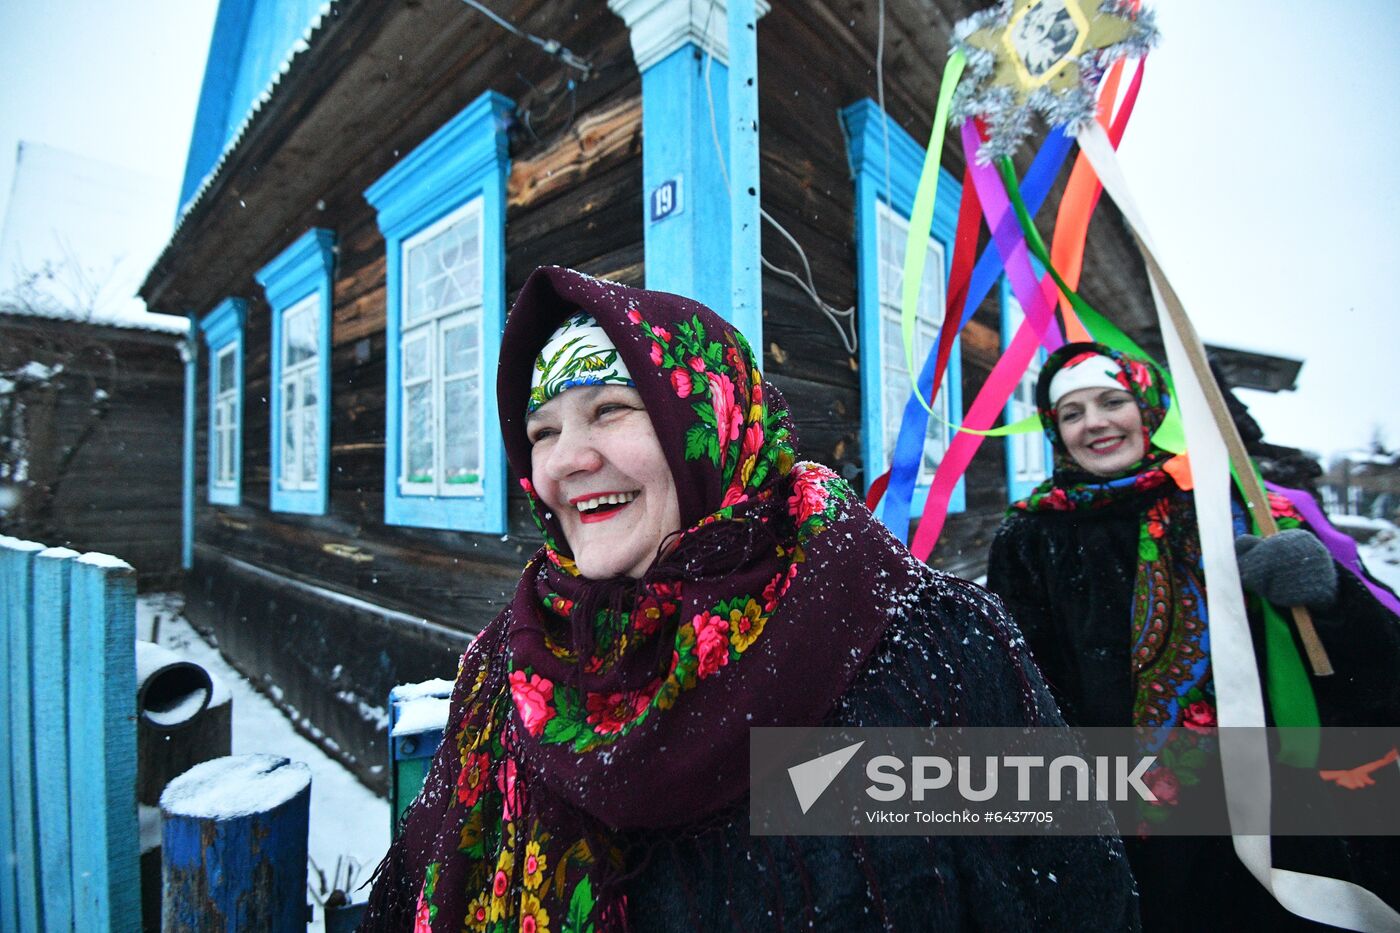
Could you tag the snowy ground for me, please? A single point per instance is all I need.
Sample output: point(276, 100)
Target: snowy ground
point(1381, 554)
point(349, 823)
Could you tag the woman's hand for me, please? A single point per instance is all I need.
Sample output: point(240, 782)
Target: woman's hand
point(1291, 568)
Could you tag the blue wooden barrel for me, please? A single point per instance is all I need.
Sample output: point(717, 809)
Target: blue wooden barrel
point(233, 839)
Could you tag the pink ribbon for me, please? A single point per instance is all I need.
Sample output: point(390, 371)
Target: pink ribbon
point(1037, 298)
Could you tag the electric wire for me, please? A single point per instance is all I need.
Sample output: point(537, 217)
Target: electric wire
point(808, 285)
point(550, 47)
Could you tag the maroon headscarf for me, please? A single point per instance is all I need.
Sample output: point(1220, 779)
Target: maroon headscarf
point(589, 707)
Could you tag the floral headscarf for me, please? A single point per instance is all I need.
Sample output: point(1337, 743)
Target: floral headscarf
point(589, 707)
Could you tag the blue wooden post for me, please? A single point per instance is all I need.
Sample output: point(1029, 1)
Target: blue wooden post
point(189, 352)
point(9, 912)
point(102, 744)
point(233, 846)
point(52, 572)
point(19, 592)
point(745, 219)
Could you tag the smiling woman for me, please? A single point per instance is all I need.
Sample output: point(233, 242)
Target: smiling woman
point(697, 580)
point(1101, 566)
point(595, 458)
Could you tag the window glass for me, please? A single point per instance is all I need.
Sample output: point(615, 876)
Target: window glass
point(892, 233)
point(443, 447)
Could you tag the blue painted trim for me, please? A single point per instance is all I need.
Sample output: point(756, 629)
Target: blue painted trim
point(745, 220)
point(187, 490)
point(466, 158)
point(865, 149)
point(1017, 489)
point(302, 269)
point(222, 326)
point(689, 252)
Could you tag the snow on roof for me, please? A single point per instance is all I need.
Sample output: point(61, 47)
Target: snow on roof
point(299, 47)
point(240, 785)
point(128, 320)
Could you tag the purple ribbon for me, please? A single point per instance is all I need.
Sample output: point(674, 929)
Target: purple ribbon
point(1341, 546)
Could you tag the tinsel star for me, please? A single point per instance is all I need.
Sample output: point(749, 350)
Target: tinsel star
point(1045, 56)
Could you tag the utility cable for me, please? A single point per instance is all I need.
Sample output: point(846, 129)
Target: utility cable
point(550, 47)
point(808, 285)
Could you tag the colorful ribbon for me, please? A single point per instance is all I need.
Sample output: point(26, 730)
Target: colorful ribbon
point(1037, 298)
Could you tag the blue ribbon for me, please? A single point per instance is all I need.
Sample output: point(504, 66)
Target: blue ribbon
point(909, 447)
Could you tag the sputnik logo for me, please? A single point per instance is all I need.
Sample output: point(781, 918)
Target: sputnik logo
point(811, 778)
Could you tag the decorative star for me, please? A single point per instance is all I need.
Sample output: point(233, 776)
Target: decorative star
point(1045, 56)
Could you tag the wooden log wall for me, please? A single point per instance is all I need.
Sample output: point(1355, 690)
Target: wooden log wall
point(104, 440)
point(574, 197)
point(807, 186)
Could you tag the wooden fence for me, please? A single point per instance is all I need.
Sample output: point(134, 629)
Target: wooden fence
point(67, 741)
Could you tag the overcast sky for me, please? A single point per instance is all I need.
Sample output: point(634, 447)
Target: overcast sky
point(1261, 153)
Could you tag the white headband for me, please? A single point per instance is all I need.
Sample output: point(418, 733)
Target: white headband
point(579, 353)
point(1092, 372)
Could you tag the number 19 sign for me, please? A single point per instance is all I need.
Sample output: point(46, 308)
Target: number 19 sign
point(666, 199)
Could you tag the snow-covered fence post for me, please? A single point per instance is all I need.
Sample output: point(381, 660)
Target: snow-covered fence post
point(102, 743)
point(233, 846)
point(21, 890)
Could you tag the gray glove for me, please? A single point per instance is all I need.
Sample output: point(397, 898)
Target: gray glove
point(1292, 568)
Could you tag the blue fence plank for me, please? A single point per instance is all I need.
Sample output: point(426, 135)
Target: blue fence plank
point(52, 570)
point(9, 910)
point(19, 591)
point(102, 744)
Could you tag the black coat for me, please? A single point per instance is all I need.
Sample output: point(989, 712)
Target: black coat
point(954, 658)
point(1067, 578)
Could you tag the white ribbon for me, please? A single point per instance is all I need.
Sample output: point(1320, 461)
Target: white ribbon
point(1239, 695)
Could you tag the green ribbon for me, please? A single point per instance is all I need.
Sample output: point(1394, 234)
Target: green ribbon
point(921, 218)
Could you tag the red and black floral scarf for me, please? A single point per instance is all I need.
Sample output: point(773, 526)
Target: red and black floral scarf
point(590, 708)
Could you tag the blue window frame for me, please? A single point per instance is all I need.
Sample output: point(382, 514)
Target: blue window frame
point(223, 334)
point(1028, 456)
point(298, 286)
point(442, 213)
point(882, 228)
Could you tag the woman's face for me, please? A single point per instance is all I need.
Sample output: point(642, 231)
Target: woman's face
point(596, 464)
point(1102, 429)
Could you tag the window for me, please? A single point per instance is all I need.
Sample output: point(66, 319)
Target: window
point(223, 333)
point(298, 286)
point(892, 235)
point(883, 204)
point(300, 396)
point(442, 213)
point(1028, 456)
